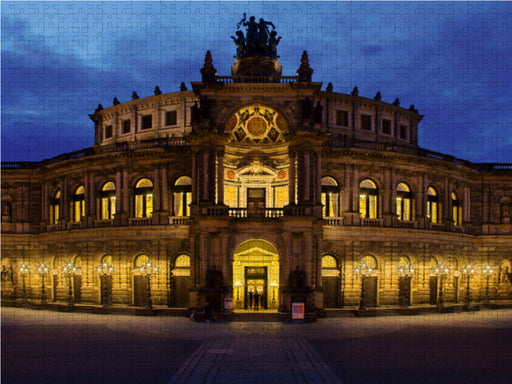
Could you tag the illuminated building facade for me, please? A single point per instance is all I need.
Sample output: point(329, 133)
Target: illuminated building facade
point(256, 183)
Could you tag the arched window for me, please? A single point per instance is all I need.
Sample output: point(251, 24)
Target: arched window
point(370, 262)
point(140, 261)
point(78, 204)
point(368, 194)
point(432, 205)
point(182, 196)
point(330, 197)
point(456, 210)
point(108, 201)
point(144, 198)
point(403, 202)
point(55, 208)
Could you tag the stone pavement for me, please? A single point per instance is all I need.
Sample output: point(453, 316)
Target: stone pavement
point(255, 357)
point(55, 347)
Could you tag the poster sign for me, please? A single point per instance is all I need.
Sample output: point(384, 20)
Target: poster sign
point(228, 303)
point(297, 311)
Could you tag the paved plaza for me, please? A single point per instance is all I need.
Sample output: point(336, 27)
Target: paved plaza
point(54, 347)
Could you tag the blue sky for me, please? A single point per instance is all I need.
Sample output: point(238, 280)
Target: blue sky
point(452, 60)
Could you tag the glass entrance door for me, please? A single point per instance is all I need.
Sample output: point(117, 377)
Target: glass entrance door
point(256, 288)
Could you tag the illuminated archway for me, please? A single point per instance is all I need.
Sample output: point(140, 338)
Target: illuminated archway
point(256, 274)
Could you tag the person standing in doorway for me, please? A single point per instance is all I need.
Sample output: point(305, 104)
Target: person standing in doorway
point(250, 299)
point(256, 300)
point(208, 312)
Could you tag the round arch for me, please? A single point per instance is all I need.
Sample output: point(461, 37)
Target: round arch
point(256, 275)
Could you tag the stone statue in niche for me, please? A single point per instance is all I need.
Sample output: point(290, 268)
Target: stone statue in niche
point(6, 210)
point(6, 274)
point(506, 213)
point(297, 279)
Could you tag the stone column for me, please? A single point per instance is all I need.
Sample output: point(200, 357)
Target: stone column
point(467, 205)
point(226, 260)
point(204, 259)
point(318, 197)
point(126, 194)
point(204, 175)
point(92, 196)
point(309, 259)
point(220, 177)
point(307, 177)
point(447, 202)
point(119, 200)
point(45, 208)
point(195, 184)
point(156, 189)
point(347, 195)
point(165, 189)
point(291, 186)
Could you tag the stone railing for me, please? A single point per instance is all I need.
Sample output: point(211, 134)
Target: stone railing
point(179, 220)
point(266, 213)
point(140, 221)
point(372, 222)
point(333, 221)
point(103, 223)
point(256, 79)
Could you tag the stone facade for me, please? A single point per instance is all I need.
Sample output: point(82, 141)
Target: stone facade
point(256, 183)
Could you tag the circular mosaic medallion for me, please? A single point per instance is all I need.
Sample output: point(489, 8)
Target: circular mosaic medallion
point(281, 175)
point(230, 174)
point(257, 126)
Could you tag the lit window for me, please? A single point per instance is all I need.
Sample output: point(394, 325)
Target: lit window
point(182, 196)
point(432, 205)
point(330, 197)
point(403, 202)
point(456, 210)
point(108, 201)
point(78, 204)
point(368, 194)
point(54, 208)
point(144, 198)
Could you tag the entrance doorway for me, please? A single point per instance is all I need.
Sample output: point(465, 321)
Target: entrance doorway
point(256, 274)
point(256, 202)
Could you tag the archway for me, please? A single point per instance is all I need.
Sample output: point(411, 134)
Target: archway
point(330, 281)
point(256, 276)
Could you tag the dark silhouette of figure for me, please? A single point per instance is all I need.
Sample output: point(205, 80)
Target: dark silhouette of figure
point(250, 299)
point(263, 34)
point(317, 112)
point(256, 300)
point(241, 49)
point(272, 44)
point(208, 312)
point(195, 113)
point(252, 34)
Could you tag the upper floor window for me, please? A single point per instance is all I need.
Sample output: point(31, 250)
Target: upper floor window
point(366, 122)
point(170, 118)
point(330, 197)
point(456, 210)
point(341, 118)
point(386, 127)
point(368, 197)
point(78, 204)
point(147, 122)
point(432, 205)
point(144, 198)
point(403, 202)
point(108, 201)
point(55, 208)
point(182, 196)
point(126, 126)
point(404, 132)
point(108, 132)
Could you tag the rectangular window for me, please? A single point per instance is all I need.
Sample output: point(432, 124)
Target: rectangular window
point(126, 126)
point(170, 118)
point(108, 131)
point(147, 122)
point(403, 132)
point(386, 127)
point(366, 122)
point(341, 118)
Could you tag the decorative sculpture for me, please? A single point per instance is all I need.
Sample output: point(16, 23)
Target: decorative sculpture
point(258, 41)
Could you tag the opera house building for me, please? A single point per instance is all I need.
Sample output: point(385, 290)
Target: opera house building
point(256, 188)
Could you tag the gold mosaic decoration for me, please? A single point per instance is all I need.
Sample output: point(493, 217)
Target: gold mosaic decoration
point(257, 124)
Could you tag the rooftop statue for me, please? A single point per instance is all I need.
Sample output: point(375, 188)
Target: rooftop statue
point(258, 40)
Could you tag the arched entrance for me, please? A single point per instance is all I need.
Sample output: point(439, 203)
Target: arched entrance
point(256, 276)
point(180, 282)
point(330, 281)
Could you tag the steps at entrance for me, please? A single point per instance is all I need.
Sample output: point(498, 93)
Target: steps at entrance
point(262, 316)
